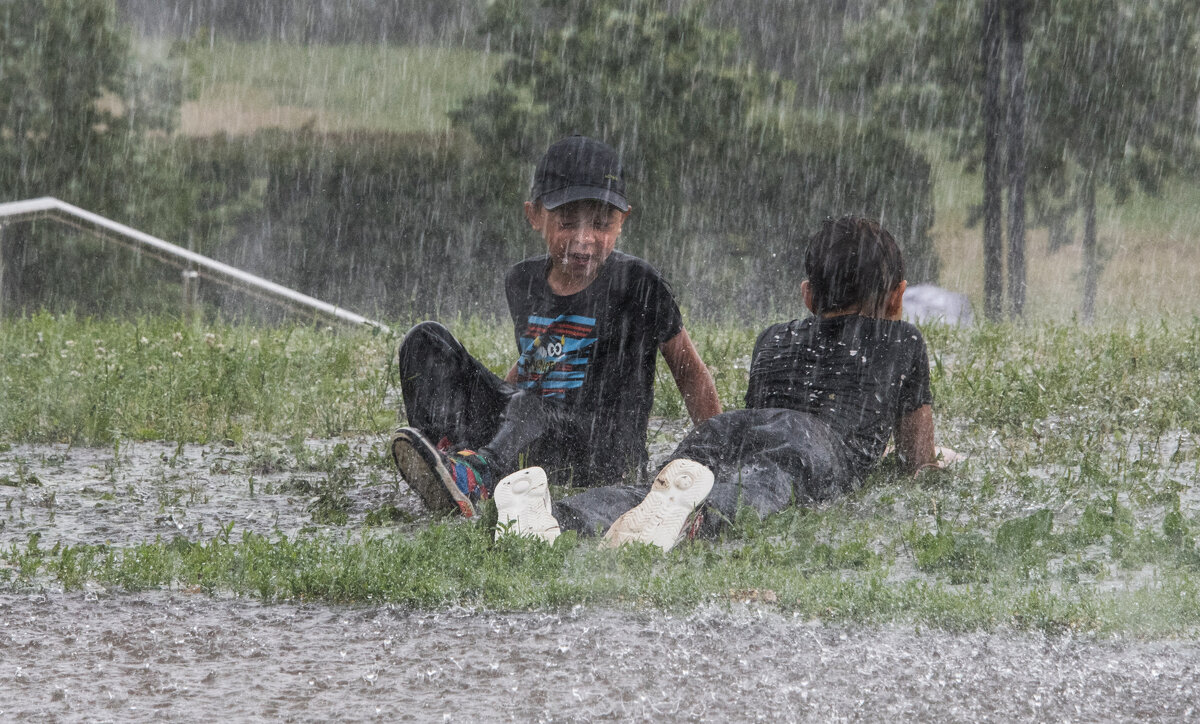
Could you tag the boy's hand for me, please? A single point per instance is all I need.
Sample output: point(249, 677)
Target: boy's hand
point(944, 457)
point(948, 456)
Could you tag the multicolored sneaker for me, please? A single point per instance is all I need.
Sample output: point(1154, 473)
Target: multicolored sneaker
point(523, 506)
point(445, 482)
point(670, 510)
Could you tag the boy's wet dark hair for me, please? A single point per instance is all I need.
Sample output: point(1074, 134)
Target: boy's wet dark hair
point(852, 263)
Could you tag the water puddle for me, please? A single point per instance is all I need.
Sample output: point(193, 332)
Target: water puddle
point(172, 656)
point(139, 491)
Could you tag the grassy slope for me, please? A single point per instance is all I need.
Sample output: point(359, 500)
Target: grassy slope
point(1074, 510)
point(1150, 249)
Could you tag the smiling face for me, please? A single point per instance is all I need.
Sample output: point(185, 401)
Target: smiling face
point(579, 237)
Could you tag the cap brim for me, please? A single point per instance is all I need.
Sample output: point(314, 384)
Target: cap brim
point(554, 199)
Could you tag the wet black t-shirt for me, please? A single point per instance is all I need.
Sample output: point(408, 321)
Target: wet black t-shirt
point(595, 352)
point(858, 374)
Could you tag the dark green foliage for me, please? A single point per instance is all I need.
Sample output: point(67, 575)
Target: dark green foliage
point(381, 223)
point(77, 115)
point(415, 226)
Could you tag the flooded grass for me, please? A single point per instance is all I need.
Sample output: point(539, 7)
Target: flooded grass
point(157, 455)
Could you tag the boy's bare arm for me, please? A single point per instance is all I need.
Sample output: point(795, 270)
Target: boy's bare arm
point(914, 440)
point(511, 377)
point(692, 377)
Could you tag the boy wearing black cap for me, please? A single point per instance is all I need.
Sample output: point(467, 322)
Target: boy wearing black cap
point(589, 322)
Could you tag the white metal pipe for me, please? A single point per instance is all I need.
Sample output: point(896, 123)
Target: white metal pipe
point(177, 255)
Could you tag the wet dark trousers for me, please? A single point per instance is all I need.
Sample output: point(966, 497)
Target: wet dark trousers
point(450, 395)
point(766, 460)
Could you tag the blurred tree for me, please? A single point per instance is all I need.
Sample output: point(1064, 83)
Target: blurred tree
point(991, 53)
point(64, 74)
point(74, 119)
point(663, 86)
point(1014, 131)
point(1112, 89)
point(726, 167)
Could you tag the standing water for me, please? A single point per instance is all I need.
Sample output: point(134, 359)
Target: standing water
point(181, 657)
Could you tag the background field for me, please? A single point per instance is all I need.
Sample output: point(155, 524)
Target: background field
point(1151, 245)
point(241, 87)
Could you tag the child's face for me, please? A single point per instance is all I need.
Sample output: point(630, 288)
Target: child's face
point(579, 235)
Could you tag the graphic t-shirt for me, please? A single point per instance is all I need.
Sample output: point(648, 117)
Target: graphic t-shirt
point(594, 352)
point(858, 374)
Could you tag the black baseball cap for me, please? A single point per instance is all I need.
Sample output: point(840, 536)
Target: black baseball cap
point(578, 168)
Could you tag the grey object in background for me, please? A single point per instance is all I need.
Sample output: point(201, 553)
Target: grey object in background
point(930, 303)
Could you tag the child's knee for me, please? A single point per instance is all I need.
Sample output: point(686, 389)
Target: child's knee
point(422, 340)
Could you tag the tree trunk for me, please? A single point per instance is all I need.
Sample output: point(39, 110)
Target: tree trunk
point(1091, 260)
point(993, 241)
point(3, 227)
point(1015, 71)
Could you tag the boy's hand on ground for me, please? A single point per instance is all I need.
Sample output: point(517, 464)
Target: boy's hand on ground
point(944, 457)
point(948, 456)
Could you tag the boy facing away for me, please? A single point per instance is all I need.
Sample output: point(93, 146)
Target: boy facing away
point(589, 323)
point(826, 394)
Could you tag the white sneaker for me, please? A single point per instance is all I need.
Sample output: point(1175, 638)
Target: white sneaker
point(523, 506)
point(664, 517)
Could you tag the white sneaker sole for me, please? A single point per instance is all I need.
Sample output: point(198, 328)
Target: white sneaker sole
point(523, 506)
point(661, 519)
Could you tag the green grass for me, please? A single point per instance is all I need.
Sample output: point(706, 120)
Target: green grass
point(336, 87)
point(69, 379)
point(1073, 512)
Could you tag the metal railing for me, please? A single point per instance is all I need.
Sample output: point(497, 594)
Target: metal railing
point(194, 266)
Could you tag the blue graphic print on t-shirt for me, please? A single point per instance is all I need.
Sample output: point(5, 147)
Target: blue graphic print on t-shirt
point(555, 353)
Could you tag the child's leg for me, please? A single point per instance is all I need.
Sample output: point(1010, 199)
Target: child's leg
point(447, 392)
point(534, 430)
point(595, 509)
point(625, 513)
point(766, 460)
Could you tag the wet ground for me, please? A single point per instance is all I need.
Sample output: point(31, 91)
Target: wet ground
point(134, 492)
point(104, 656)
point(185, 657)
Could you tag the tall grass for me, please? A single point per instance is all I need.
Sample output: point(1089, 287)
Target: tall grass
point(92, 381)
